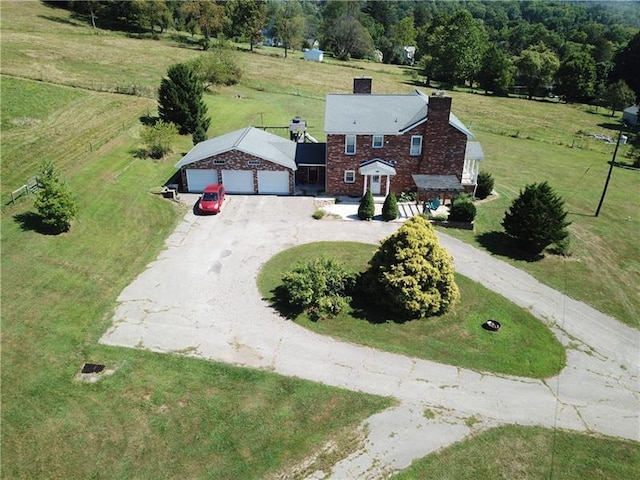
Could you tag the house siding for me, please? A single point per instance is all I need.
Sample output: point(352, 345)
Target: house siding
point(237, 160)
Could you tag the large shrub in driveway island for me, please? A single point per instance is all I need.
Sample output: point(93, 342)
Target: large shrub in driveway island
point(411, 274)
point(536, 219)
point(321, 287)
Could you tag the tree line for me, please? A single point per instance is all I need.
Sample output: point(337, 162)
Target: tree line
point(581, 51)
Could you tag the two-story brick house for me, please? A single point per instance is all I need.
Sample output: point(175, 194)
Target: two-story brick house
point(394, 143)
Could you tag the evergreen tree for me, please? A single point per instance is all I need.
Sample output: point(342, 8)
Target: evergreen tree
point(180, 100)
point(536, 219)
point(462, 209)
point(390, 208)
point(411, 274)
point(199, 135)
point(367, 208)
point(485, 185)
point(55, 202)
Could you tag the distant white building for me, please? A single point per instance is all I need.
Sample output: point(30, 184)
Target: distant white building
point(630, 115)
point(314, 55)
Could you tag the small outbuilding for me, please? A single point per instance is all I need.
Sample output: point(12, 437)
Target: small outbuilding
point(630, 115)
point(314, 55)
point(247, 161)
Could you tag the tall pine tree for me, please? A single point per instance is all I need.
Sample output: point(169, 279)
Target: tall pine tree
point(180, 100)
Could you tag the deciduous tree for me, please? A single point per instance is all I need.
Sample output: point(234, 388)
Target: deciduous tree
point(289, 25)
point(249, 18)
point(576, 77)
point(619, 96)
point(536, 66)
point(497, 71)
point(158, 139)
point(627, 65)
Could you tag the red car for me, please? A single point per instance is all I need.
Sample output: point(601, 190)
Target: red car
point(211, 199)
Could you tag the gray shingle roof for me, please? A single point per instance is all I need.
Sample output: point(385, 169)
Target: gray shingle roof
point(250, 140)
point(474, 151)
point(443, 183)
point(386, 114)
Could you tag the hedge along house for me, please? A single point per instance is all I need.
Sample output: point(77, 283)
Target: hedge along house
point(246, 161)
point(395, 143)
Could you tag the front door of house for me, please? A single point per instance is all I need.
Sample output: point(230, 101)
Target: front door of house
point(375, 184)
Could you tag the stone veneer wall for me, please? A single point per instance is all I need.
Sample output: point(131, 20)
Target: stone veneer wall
point(237, 160)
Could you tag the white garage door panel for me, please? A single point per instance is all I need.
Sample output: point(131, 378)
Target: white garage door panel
point(273, 182)
point(238, 181)
point(197, 179)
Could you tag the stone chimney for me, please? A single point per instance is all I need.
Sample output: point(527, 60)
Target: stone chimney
point(439, 107)
point(362, 85)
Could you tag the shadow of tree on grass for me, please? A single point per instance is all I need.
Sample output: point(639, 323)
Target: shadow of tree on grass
point(32, 221)
point(499, 243)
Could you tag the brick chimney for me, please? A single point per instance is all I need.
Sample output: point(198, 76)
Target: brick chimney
point(362, 85)
point(439, 107)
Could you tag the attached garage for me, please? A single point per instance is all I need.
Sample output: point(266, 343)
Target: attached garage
point(246, 161)
point(238, 181)
point(198, 179)
point(273, 182)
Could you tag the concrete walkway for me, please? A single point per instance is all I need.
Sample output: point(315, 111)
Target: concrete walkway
point(169, 308)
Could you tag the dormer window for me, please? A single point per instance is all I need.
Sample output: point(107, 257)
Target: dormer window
point(416, 145)
point(377, 141)
point(350, 145)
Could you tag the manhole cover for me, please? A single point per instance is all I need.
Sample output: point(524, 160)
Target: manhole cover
point(92, 368)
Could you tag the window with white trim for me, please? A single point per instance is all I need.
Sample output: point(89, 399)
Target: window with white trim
point(350, 145)
point(219, 162)
point(377, 141)
point(253, 163)
point(416, 145)
point(349, 176)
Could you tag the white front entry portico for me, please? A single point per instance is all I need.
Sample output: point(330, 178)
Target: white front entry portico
point(373, 171)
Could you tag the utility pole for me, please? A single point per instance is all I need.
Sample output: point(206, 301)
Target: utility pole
point(606, 183)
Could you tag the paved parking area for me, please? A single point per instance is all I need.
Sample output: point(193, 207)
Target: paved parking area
point(199, 297)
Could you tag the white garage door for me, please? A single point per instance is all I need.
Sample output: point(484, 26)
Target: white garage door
point(197, 179)
point(238, 181)
point(273, 182)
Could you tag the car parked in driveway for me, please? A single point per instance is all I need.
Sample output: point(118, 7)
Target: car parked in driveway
point(211, 199)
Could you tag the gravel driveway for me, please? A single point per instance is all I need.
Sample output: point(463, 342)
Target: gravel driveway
point(169, 308)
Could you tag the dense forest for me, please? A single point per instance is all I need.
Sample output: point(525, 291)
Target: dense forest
point(581, 51)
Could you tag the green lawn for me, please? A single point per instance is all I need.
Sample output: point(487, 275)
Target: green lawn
point(58, 293)
point(524, 346)
point(530, 453)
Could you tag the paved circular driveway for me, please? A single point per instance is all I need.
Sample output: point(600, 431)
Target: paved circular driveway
point(199, 297)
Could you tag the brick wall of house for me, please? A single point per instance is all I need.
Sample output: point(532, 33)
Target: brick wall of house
point(237, 160)
point(443, 150)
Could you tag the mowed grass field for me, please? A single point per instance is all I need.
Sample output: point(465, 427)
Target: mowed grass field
point(58, 293)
